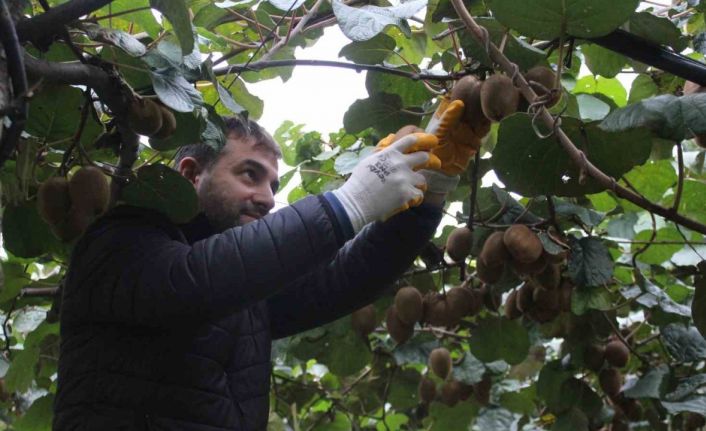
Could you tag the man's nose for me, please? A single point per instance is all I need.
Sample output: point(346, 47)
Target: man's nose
point(264, 200)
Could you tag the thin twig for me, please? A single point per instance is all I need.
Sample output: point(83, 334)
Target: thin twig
point(622, 339)
point(113, 15)
point(295, 31)
point(680, 184)
point(474, 191)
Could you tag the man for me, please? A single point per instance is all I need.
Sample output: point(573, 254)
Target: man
point(168, 327)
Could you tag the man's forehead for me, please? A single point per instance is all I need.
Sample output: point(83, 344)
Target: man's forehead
point(238, 150)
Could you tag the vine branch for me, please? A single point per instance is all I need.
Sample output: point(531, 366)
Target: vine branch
point(576, 155)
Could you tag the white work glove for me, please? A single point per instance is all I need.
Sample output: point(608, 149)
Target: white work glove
point(386, 182)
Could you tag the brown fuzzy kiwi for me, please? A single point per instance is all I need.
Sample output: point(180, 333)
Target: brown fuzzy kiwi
point(169, 124)
point(73, 226)
point(618, 424)
point(398, 330)
point(693, 421)
point(467, 89)
point(550, 278)
point(459, 242)
point(547, 78)
point(426, 391)
point(531, 268)
point(494, 251)
point(477, 303)
point(631, 408)
point(542, 315)
point(440, 362)
point(89, 190)
point(407, 130)
point(408, 302)
point(492, 299)
point(546, 299)
point(565, 291)
point(499, 97)
point(617, 353)
point(481, 391)
point(363, 320)
point(451, 393)
point(693, 88)
point(436, 309)
point(511, 310)
point(489, 274)
point(53, 201)
point(144, 117)
point(594, 356)
point(610, 380)
point(460, 302)
point(525, 297)
point(523, 244)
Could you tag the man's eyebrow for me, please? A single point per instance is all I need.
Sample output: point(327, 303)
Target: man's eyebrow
point(262, 170)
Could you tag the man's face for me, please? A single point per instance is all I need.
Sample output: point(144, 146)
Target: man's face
point(240, 186)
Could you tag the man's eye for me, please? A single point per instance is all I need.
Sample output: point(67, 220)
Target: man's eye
point(251, 173)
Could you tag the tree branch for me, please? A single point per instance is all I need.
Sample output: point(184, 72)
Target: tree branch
point(295, 31)
point(259, 65)
point(42, 28)
point(576, 155)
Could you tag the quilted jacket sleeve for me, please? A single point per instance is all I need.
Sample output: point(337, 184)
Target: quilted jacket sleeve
point(360, 273)
point(133, 270)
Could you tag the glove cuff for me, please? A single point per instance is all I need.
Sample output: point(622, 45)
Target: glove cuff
point(438, 182)
point(355, 214)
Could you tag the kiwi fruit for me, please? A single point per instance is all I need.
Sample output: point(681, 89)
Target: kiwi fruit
point(617, 353)
point(481, 391)
point(492, 299)
point(523, 244)
point(436, 310)
point(693, 421)
point(550, 277)
point(477, 302)
point(631, 408)
point(594, 356)
point(89, 190)
point(494, 251)
point(547, 78)
point(440, 362)
point(468, 89)
point(531, 268)
point(610, 381)
point(466, 391)
point(53, 201)
point(546, 299)
point(525, 297)
point(565, 291)
point(363, 320)
point(451, 393)
point(511, 310)
point(459, 242)
point(169, 124)
point(408, 302)
point(488, 274)
point(618, 424)
point(426, 390)
point(407, 130)
point(399, 331)
point(73, 226)
point(499, 97)
point(144, 117)
point(460, 302)
point(542, 315)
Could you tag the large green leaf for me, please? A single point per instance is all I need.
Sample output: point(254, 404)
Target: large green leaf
point(602, 61)
point(188, 131)
point(39, 415)
point(548, 19)
point(590, 263)
point(363, 23)
point(412, 93)
point(163, 189)
point(660, 30)
point(371, 51)
point(651, 385)
point(381, 111)
point(175, 91)
point(520, 155)
point(24, 232)
point(684, 344)
point(498, 338)
point(178, 15)
point(698, 306)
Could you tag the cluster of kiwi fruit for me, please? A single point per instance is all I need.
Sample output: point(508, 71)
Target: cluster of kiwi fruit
point(69, 206)
point(497, 97)
point(694, 88)
point(150, 118)
point(452, 391)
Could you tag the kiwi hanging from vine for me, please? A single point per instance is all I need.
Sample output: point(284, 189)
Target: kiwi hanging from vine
point(408, 302)
point(53, 201)
point(440, 362)
point(459, 242)
point(468, 89)
point(523, 244)
point(499, 97)
point(89, 190)
point(144, 116)
point(169, 124)
point(363, 320)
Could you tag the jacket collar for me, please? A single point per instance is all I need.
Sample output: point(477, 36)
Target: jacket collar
point(197, 229)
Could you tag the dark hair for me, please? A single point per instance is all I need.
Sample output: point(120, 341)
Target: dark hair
point(237, 127)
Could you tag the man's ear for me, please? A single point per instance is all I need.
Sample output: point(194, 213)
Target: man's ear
point(190, 169)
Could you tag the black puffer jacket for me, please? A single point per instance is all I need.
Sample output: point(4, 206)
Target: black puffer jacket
point(169, 327)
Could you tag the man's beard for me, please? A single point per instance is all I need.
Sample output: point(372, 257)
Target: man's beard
point(221, 212)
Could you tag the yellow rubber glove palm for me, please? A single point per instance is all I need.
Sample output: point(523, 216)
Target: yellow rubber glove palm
point(457, 142)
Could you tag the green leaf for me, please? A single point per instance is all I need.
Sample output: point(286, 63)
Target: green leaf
point(602, 61)
point(698, 306)
point(253, 104)
point(121, 39)
point(39, 415)
point(287, 5)
point(642, 88)
point(549, 19)
point(163, 189)
point(495, 419)
point(692, 205)
point(444, 418)
point(412, 93)
point(590, 263)
point(592, 108)
point(684, 344)
point(610, 90)
point(520, 401)
point(24, 232)
point(658, 253)
point(549, 384)
point(520, 154)
point(498, 338)
point(20, 375)
point(694, 404)
point(590, 298)
point(178, 15)
point(175, 91)
point(371, 51)
point(189, 127)
point(571, 420)
point(360, 24)
point(659, 30)
point(652, 180)
point(686, 387)
point(668, 116)
point(651, 296)
point(340, 422)
point(416, 350)
point(14, 278)
point(651, 385)
point(381, 111)
point(469, 371)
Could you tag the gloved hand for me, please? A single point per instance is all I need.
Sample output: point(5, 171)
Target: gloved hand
point(386, 182)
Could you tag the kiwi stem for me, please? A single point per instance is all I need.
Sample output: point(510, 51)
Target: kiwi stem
point(680, 184)
point(577, 156)
point(474, 191)
point(77, 136)
point(622, 339)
